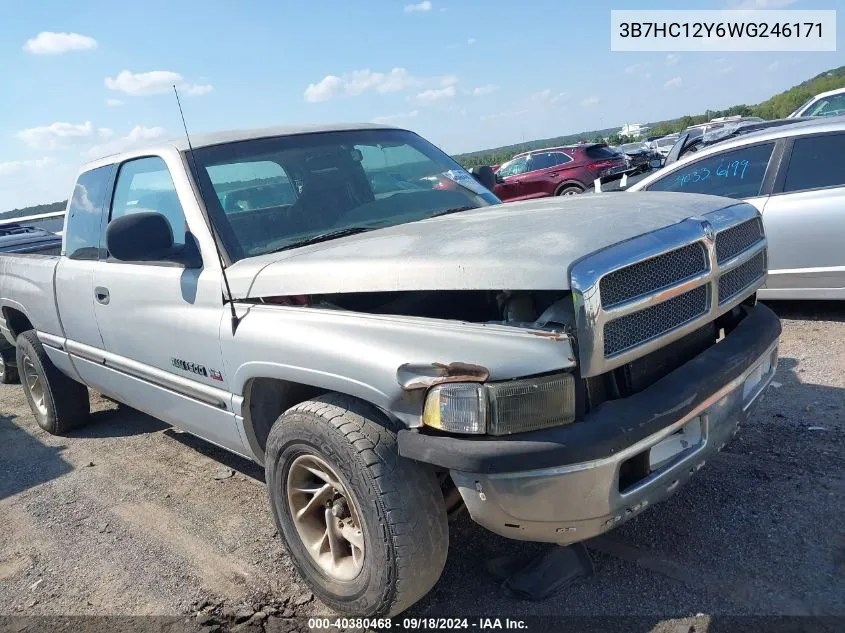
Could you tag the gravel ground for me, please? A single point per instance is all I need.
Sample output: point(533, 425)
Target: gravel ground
point(130, 517)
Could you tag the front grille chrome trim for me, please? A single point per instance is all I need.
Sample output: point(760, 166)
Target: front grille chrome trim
point(587, 273)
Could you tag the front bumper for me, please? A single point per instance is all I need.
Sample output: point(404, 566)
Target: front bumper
point(559, 486)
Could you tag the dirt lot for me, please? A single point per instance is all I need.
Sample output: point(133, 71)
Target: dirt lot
point(128, 516)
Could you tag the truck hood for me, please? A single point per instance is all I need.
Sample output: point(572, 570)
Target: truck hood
point(514, 246)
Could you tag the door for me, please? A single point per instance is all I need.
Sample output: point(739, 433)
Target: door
point(805, 220)
point(74, 285)
point(545, 171)
point(509, 179)
point(160, 320)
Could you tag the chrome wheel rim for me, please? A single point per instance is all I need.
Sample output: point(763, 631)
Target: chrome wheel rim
point(34, 385)
point(325, 517)
point(569, 193)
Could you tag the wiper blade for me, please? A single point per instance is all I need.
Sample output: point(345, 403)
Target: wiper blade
point(324, 237)
point(454, 210)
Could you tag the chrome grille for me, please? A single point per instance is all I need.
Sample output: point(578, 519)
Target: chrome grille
point(738, 279)
point(733, 241)
point(644, 293)
point(653, 274)
point(636, 328)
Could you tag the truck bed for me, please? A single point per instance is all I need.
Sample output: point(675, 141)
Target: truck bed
point(27, 285)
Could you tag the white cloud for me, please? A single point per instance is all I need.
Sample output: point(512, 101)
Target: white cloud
point(673, 83)
point(773, 66)
point(590, 101)
point(484, 90)
point(137, 136)
point(358, 82)
point(672, 59)
point(56, 134)
point(727, 70)
point(548, 96)
point(471, 41)
point(48, 43)
point(141, 133)
point(14, 166)
point(435, 94)
point(421, 7)
point(635, 69)
point(449, 80)
point(105, 132)
point(399, 116)
point(197, 89)
point(113, 103)
point(153, 82)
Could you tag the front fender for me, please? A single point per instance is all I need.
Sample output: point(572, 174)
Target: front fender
point(385, 360)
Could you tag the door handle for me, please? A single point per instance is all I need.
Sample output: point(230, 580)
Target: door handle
point(101, 295)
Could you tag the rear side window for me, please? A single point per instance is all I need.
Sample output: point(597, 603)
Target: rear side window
point(816, 162)
point(736, 174)
point(600, 152)
point(251, 185)
point(144, 184)
point(829, 106)
point(547, 159)
point(85, 212)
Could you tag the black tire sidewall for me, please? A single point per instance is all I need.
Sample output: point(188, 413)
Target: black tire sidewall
point(562, 191)
point(26, 347)
point(305, 433)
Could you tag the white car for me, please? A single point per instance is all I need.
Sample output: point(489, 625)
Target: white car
point(828, 103)
point(795, 175)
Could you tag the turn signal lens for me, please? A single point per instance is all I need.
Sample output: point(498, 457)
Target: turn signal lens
point(459, 407)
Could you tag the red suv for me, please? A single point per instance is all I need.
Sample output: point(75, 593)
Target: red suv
point(557, 171)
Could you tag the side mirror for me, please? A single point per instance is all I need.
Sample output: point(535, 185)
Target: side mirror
point(656, 163)
point(484, 174)
point(147, 236)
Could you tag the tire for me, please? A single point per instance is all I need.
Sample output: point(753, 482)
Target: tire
point(569, 190)
point(58, 403)
point(8, 370)
point(396, 505)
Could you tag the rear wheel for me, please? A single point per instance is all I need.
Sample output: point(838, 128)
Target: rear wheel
point(569, 190)
point(58, 403)
point(366, 528)
point(8, 370)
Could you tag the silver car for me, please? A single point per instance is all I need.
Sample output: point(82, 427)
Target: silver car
point(795, 176)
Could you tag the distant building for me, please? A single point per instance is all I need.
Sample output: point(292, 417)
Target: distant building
point(634, 129)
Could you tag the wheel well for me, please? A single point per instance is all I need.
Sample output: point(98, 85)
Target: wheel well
point(265, 399)
point(569, 183)
point(16, 321)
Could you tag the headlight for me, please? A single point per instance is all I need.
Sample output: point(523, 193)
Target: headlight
point(501, 408)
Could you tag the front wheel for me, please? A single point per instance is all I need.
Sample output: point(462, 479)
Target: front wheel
point(571, 190)
point(366, 528)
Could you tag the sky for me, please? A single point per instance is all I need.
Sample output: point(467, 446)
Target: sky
point(87, 78)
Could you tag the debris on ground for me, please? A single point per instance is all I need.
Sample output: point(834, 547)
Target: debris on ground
point(224, 473)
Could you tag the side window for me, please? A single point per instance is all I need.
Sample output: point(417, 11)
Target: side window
point(514, 167)
point(560, 158)
point(85, 213)
point(541, 161)
point(829, 106)
point(144, 184)
point(737, 173)
point(816, 161)
point(247, 186)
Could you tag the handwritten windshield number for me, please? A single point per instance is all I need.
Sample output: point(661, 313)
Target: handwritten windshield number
point(734, 169)
point(699, 175)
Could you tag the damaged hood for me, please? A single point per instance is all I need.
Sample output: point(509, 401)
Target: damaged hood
point(515, 246)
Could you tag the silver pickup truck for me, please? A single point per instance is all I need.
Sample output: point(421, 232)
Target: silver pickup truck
point(392, 343)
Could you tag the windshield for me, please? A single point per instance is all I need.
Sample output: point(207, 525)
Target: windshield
point(269, 194)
